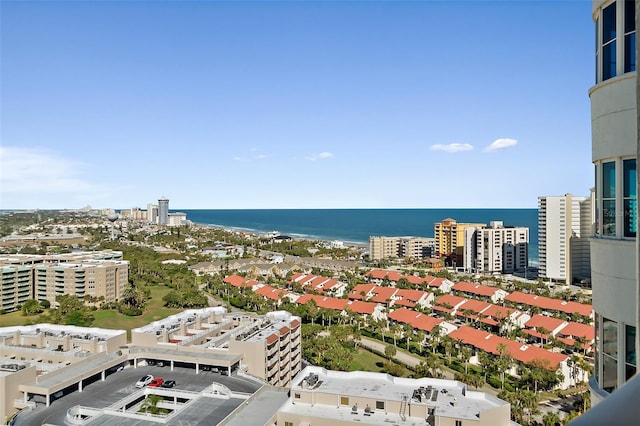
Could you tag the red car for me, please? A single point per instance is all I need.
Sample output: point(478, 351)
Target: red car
point(156, 382)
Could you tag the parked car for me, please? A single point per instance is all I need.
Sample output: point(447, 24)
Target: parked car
point(169, 383)
point(156, 383)
point(144, 381)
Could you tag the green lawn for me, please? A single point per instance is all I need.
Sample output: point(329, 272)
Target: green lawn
point(153, 311)
point(15, 318)
point(364, 360)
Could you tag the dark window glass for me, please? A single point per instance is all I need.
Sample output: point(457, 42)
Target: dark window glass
point(609, 180)
point(609, 61)
point(629, 16)
point(630, 371)
point(630, 344)
point(630, 198)
point(630, 52)
point(609, 23)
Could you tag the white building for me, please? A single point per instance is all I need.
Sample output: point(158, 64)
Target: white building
point(152, 213)
point(614, 152)
point(496, 249)
point(176, 219)
point(564, 227)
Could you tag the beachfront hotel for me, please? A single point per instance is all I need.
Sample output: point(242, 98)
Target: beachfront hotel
point(565, 224)
point(614, 260)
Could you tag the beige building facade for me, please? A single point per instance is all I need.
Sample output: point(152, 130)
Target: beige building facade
point(323, 397)
point(102, 275)
point(449, 239)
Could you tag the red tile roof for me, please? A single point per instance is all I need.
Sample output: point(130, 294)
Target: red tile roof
point(323, 302)
point(361, 288)
point(416, 319)
point(575, 329)
point(474, 305)
point(361, 307)
point(434, 281)
point(475, 288)
point(383, 294)
point(380, 274)
point(270, 292)
point(498, 312)
point(449, 299)
point(296, 276)
point(235, 280)
point(549, 303)
point(549, 323)
point(489, 343)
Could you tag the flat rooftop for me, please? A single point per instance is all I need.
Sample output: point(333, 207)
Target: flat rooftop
point(450, 398)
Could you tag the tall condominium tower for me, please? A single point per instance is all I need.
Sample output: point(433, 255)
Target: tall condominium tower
point(152, 213)
point(496, 249)
point(163, 211)
point(564, 227)
point(614, 259)
point(449, 239)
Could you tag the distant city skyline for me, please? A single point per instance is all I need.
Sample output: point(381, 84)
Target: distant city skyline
point(242, 105)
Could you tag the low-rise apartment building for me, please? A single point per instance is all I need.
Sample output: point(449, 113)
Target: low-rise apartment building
point(324, 397)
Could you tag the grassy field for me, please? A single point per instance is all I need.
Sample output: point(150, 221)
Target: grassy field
point(367, 361)
point(113, 319)
point(15, 318)
point(153, 311)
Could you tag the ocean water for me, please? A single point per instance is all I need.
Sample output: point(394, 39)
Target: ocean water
point(356, 225)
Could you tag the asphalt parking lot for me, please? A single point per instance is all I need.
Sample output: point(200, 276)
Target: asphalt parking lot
point(120, 384)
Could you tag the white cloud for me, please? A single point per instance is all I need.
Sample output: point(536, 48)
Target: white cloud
point(238, 158)
point(321, 156)
point(261, 156)
point(452, 147)
point(40, 171)
point(501, 143)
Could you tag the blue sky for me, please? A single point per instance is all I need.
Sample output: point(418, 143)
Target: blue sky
point(294, 104)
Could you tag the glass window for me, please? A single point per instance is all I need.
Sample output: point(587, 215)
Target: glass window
point(609, 42)
point(609, 198)
point(630, 52)
point(609, 373)
point(609, 23)
point(380, 405)
point(630, 351)
point(610, 337)
point(609, 61)
point(630, 198)
point(629, 16)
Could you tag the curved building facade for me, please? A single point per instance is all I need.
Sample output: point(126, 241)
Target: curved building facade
point(614, 155)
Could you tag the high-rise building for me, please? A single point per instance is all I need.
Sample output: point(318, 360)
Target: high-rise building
point(152, 213)
point(163, 211)
point(496, 249)
point(449, 239)
point(565, 224)
point(614, 259)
